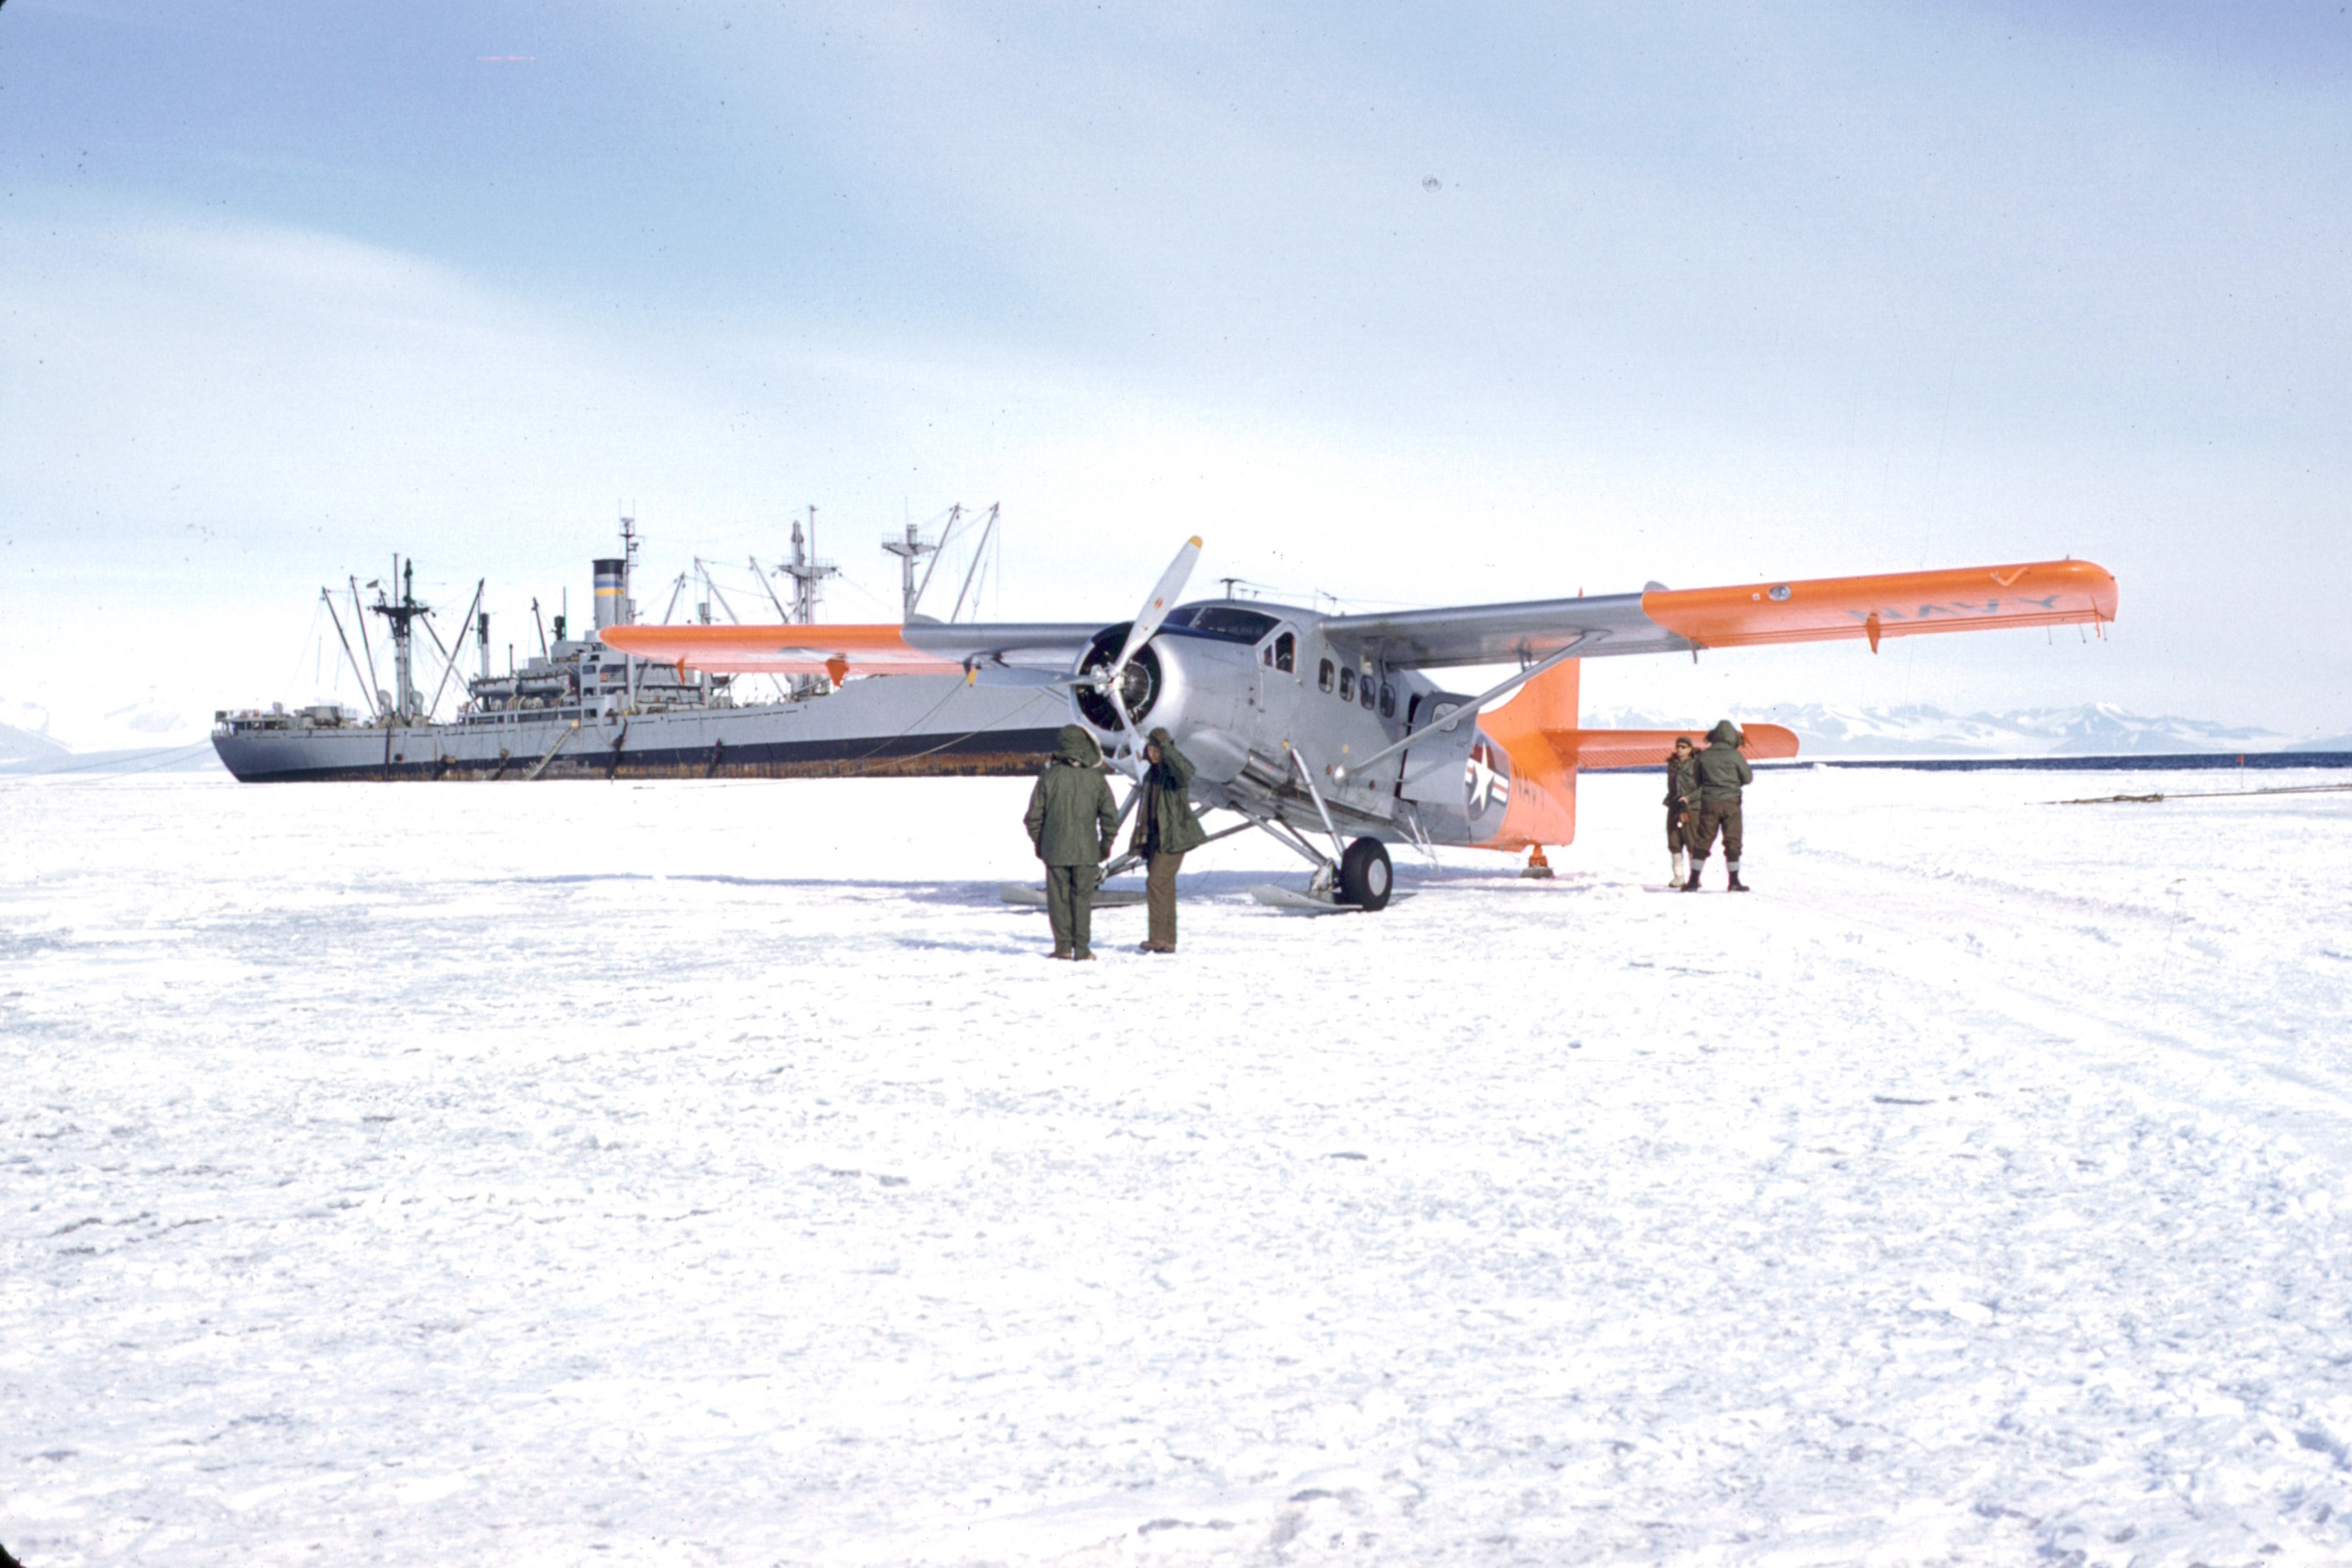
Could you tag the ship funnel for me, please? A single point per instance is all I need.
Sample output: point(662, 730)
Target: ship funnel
point(612, 594)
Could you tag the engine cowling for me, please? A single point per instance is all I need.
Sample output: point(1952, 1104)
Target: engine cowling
point(1139, 687)
point(1188, 683)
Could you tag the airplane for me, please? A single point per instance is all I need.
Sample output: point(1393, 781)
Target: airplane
point(1313, 727)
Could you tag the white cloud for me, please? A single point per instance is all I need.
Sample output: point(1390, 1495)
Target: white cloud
point(1700, 297)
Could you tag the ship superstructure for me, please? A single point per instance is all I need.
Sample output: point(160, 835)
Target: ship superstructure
point(579, 708)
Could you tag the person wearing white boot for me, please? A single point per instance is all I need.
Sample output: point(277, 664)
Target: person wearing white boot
point(1682, 806)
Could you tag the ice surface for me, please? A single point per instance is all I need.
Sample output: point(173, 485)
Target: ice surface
point(718, 1173)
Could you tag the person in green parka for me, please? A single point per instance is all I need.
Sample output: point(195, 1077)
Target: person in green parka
point(1165, 832)
point(1071, 821)
point(1682, 806)
point(1722, 773)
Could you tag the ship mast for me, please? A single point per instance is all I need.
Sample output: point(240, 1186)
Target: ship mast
point(628, 567)
point(405, 705)
point(615, 607)
point(806, 572)
point(912, 547)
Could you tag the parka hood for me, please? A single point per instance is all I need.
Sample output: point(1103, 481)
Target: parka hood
point(1725, 733)
point(1075, 746)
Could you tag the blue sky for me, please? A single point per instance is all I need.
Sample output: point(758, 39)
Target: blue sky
point(1424, 305)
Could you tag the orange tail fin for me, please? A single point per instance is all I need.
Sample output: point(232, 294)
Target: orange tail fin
point(1543, 781)
point(1538, 730)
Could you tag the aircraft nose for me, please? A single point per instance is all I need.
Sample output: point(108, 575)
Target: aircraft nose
point(1139, 690)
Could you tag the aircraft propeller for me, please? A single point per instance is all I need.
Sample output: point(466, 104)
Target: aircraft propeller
point(1147, 622)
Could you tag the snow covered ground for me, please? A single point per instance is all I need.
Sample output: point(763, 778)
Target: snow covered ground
point(703, 1173)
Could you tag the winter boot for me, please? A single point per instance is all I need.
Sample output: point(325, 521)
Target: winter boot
point(1682, 869)
point(1690, 884)
point(1737, 884)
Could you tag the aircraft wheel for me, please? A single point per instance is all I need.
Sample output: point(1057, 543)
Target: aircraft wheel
point(1365, 875)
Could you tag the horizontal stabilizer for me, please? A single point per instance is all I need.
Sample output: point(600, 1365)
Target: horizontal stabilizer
point(1650, 747)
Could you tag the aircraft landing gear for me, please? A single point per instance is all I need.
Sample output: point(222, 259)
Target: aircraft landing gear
point(1365, 875)
point(1361, 880)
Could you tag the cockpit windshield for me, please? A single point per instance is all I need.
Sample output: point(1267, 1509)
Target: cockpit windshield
point(1226, 623)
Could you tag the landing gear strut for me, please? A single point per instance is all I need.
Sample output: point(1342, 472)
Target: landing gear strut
point(1361, 878)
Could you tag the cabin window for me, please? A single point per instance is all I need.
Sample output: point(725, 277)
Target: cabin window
point(1286, 653)
point(1387, 700)
point(1266, 656)
point(1323, 678)
point(1365, 694)
point(1347, 686)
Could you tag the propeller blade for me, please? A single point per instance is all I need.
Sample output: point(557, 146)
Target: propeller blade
point(1148, 621)
point(1155, 609)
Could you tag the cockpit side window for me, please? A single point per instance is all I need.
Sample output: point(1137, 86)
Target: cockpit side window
point(1323, 676)
point(1286, 653)
point(1228, 623)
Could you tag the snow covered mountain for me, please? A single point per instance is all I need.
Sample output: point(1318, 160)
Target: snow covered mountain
point(2102, 729)
point(23, 748)
point(24, 752)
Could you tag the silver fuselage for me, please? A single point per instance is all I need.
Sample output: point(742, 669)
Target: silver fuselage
point(1260, 717)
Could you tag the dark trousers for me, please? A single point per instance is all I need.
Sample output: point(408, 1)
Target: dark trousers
point(1070, 906)
point(1682, 827)
point(1713, 814)
point(1159, 894)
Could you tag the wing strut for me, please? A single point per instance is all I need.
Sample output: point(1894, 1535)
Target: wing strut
point(1467, 711)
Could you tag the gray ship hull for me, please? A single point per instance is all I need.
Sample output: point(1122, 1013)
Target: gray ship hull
point(897, 725)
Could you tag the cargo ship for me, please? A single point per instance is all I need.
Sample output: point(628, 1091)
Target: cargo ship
point(581, 709)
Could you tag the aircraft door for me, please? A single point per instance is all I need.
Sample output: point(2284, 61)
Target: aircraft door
point(1278, 672)
point(1433, 771)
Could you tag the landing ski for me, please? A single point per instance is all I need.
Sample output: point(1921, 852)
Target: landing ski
point(1022, 895)
point(1292, 902)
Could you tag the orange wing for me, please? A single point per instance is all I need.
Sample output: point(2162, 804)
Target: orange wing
point(781, 650)
point(917, 647)
point(1901, 604)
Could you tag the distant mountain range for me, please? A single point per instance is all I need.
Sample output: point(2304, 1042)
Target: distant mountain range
point(30, 751)
point(2095, 730)
point(20, 747)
